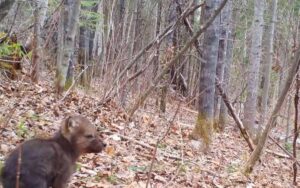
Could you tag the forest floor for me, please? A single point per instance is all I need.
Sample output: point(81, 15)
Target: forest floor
point(30, 110)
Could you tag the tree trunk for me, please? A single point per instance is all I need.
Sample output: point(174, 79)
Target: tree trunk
point(296, 132)
point(39, 19)
point(158, 78)
point(5, 6)
point(98, 39)
point(86, 45)
point(70, 16)
point(203, 127)
point(263, 138)
point(224, 35)
point(83, 53)
point(255, 58)
point(288, 120)
point(157, 31)
point(268, 62)
point(138, 37)
point(228, 59)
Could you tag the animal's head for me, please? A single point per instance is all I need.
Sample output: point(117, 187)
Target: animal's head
point(79, 131)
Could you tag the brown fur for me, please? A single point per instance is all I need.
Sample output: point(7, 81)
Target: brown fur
point(49, 163)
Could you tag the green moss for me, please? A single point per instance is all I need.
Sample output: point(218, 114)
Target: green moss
point(203, 130)
point(113, 179)
point(68, 83)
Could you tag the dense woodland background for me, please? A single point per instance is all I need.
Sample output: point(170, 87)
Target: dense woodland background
point(208, 88)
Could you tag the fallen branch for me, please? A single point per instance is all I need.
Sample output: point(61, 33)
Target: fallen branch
point(263, 138)
point(9, 61)
point(235, 117)
point(241, 127)
point(284, 150)
point(277, 154)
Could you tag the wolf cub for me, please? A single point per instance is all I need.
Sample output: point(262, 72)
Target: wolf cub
point(45, 163)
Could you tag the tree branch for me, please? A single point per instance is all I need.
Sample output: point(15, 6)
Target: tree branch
point(157, 79)
point(263, 138)
point(5, 6)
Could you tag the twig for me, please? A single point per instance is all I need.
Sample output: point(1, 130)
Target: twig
point(235, 117)
point(239, 122)
point(138, 73)
point(190, 30)
point(241, 93)
point(179, 164)
point(296, 101)
point(158, 141)
point(158, 78)
point(255, 155)
point(9, 61)
point(284, 150)
point(278, 154)
point(10, 113)
point(172, 179)
point(68, 91)
point(204, 170)
point(14, 19)
point(154, 42)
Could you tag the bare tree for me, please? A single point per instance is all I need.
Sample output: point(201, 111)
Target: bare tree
point(203, 127)
point(255, 58)
point(39, 19)
point(224, 35)
point(263, 138)
point(68, 25)
point(157, 31)
point(228, 59)
point(268, 63)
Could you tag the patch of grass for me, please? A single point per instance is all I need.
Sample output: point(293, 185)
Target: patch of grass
point(22, 130)
point(183, 169)
point(35, 117)
point(162, 145)
point(113, 179)
point(232, 168)
point(78, 166)
point(288, 146)
point(137, 168)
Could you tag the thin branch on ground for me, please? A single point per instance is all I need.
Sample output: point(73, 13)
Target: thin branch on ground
point(70, 88)
point(171, 123)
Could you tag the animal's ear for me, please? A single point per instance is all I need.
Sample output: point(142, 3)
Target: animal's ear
point(68, 126)
point(71, 123)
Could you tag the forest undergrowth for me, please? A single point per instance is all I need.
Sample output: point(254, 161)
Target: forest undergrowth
point(28, 110)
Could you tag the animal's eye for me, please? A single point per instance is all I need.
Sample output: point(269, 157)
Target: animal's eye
point(89, 136)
